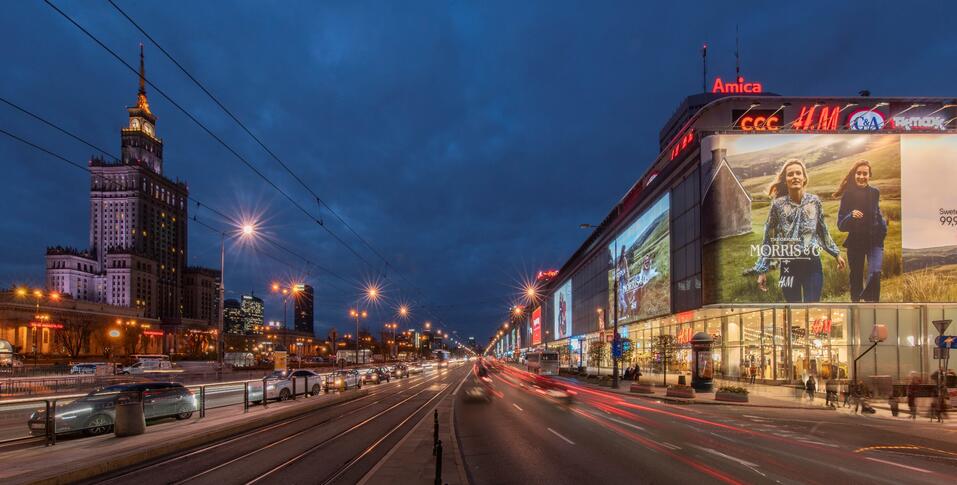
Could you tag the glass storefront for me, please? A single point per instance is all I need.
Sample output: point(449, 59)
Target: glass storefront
point(784, 343)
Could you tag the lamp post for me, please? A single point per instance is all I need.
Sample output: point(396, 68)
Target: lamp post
point(37, 327)
point(355, 313)
point(615, 342)
point(247, 230)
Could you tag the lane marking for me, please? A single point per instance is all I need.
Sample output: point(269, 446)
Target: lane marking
point(465, 378)
point(728, 457)
point(625, 423)
point(556, 433)
point(669, 445)
point(517, 407)
point(898, 464)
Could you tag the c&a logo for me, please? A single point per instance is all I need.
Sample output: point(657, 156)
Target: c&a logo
point(865, 120)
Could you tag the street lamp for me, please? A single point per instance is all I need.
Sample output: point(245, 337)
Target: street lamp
point(286, 293)
point(358, 314)
point(615, 342)
point(247, 230)
point(37, 328)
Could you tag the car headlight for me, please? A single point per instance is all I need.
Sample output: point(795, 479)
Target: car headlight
point(270, 387)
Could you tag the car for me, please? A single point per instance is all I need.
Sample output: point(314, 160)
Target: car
point(415, 368)
point(94, 413)
point(376, 375)
point(400, 370)
point(343, 379)
point(307, 380)
point(283, 385)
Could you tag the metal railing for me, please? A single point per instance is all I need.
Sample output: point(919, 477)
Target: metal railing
point(42, 419)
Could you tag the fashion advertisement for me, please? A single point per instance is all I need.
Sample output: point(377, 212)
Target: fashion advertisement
point(563, 310)
point(641, 262)
point(537, 326)
point(828, 218)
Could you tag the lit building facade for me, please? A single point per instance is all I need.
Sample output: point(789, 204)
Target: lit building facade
point(252, 313)
point(304, 307)
point(705, 241)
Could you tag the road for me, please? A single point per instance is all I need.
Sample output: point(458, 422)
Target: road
point(523, 436)
point(337, 444)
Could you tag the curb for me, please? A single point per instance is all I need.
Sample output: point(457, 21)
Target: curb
point(116, 463)
point(725, 403)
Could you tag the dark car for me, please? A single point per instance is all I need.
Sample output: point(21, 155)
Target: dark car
point(94, 413)
point(376, 375)
point(400, 370)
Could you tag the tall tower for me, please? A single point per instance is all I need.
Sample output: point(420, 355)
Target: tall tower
point(304, 317)
point(138, 220)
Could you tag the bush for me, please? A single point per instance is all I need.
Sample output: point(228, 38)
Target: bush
point(733, 390)
point(679, 387)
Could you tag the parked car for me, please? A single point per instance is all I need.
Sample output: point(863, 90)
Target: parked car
point(94, 413)
point(400, 370)
point(343, 379)
point(145, 363)
point(279, 385)
point(376, 375)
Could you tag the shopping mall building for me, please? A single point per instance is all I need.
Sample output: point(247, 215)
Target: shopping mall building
point(760, 225)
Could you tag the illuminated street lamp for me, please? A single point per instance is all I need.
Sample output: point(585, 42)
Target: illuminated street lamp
point(37, 295)
point(355, 313)
point(291, 292)
point(247, 230)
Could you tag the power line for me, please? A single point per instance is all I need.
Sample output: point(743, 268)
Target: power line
point(209, 132)
point(271, 153)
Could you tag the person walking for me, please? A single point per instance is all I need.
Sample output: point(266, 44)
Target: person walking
point(637, 372)
point(830, 393)
point(810, 387)
point(754, 372)
point(912, 398)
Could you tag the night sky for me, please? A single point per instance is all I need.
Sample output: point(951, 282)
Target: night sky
point(466, 141)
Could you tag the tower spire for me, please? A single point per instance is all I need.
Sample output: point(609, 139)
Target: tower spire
point(141, 101)
point(142, 72)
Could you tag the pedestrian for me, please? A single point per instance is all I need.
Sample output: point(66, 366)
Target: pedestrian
point(754, 372)
point(810, 388)
point(830, 393)
point(892, 401)
point(912, 398)
point(637, 372)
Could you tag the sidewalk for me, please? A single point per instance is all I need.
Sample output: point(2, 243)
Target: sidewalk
point(73, 460)
point(411, 460)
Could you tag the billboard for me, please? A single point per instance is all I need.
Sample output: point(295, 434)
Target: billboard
point(563, 310)
point(829, 217)
point(641, 266)
point(537, 326)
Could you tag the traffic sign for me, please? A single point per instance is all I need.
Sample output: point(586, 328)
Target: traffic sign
point(616, 349)
point(946, 341)
point(941, 325)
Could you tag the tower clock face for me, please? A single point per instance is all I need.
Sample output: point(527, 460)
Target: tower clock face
point(135, 123)
point(148, 128)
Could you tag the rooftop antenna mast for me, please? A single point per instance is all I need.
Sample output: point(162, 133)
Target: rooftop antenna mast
point(737, 55)
point(704, 68)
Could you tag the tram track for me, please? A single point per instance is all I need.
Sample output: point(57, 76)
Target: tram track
point(276, 427)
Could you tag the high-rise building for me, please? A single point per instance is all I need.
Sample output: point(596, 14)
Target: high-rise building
point(252, 313)
point(138, 230)
point(304, 308)
point(233, 321)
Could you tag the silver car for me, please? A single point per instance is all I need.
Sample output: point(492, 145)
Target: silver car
point(282, 385)
point(94, 413)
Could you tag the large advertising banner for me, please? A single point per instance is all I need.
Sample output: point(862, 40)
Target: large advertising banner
point(641, 266)
point(537, 326)
point(563, 311)
point(828, 217)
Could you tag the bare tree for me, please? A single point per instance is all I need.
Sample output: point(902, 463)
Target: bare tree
point(73, 335)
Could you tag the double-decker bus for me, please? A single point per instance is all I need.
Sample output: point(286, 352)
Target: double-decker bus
point(542, 362)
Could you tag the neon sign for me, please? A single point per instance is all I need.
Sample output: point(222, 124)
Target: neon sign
point(913, 123)
point(537, 326)
point(821, 326)
point(817, 118)
point(736, 87)
point(153, 333)
point(683, 142)
point(684, 336)
point(547, 274)
point(757, 120)
point(45, 325)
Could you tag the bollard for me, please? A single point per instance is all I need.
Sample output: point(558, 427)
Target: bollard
point(47, 422)
point(202, 401)
point(438, 463)
point(435, 433)
point(293, 388)
point(246, 397)
point(264, 392)
point(53, 424)
point(129, 418)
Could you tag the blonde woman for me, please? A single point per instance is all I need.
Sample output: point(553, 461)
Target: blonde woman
point(795, 235)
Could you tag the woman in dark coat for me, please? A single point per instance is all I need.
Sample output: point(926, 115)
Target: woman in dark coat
point(860, 217)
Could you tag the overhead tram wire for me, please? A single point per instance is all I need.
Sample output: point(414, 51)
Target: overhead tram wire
point(249, 132)
point(210, 133)
point(240, 157)
point(108, 181)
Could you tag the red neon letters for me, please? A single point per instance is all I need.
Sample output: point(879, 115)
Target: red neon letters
point(682, 143)
point(736, 87)
point(760, 123)
point(817, 118)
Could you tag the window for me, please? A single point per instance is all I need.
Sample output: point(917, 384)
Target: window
point(685, 244)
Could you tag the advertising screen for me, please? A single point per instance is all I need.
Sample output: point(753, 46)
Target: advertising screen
point(537, 326)
point(563, 310)
point(641, 266)
point(829, 217)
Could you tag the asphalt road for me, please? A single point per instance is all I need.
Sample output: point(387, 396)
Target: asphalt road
point(338, 444)
point(523, 436)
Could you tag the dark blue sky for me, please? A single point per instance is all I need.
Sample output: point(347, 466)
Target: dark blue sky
point(465, 140)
